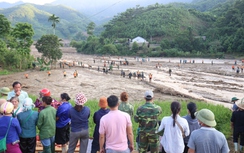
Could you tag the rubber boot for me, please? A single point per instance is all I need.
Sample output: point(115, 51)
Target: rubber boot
point(46, 149)
point(236, 146)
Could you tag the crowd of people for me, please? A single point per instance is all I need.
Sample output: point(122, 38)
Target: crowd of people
point(61, 123)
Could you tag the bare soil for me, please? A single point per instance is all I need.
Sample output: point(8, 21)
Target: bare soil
point(216, 83)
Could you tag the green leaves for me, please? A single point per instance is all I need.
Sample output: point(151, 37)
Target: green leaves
point(49, 46)
point(54, 19)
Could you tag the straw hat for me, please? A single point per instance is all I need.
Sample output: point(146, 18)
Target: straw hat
point(206, 116)
point(240, 103)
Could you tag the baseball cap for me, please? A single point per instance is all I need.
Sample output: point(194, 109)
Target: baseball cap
point(148, 95)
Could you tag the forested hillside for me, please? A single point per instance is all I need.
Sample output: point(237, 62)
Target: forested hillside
point(71, 21)
point(179, 31)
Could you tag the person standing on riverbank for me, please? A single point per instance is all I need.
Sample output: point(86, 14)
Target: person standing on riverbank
point(237, 124)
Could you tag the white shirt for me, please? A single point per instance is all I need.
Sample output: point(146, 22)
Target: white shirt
point(172, 140)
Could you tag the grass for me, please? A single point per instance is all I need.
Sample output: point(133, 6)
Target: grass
point(222, 114)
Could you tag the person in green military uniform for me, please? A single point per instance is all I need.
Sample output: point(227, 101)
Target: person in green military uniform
point(125, 106)
point(4, 92)
point(147, 117)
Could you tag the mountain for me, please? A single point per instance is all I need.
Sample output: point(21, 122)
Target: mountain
point(8, 5)
point(102, 10)
point(71, 21)
point(157, 21)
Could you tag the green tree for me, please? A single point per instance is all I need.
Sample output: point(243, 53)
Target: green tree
point(4, 26)
point(90, 28)
point(49, 46)
point(54, 19)
point(109, 49)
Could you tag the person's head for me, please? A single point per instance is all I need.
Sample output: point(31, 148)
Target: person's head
point(103, 102)
point(15, 102)
point(113, 101)
point(124, 97)
point(7, 108)
point(148, 95)
point(47, 100)
point(2, 101)
point(80, 100)
point(28, 104)
point(4, 91)
point(17, 86)
point(234, 99)
point(192, 108)
point(206, 118)
point(175, 109)
point(240, 104)
point(64, 97)
point(45, 92)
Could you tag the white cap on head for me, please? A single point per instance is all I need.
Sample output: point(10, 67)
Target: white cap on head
point(148, 95)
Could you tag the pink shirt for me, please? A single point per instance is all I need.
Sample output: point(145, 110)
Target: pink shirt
point(113, 125)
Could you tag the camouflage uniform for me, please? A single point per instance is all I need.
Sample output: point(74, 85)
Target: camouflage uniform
point(147, 117)
point(126, 107)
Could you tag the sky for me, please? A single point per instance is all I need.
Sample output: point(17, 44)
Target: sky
point(30, 1)
point(41, 1)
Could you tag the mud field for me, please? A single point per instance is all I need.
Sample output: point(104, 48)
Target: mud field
point(216, 83)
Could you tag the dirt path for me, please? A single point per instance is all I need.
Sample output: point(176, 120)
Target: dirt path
point(215, 83)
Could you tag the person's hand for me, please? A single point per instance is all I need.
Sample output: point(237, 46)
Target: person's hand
point(131, 147)
point(17, 93)
point(102, 150)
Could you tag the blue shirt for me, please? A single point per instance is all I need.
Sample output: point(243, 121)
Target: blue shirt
point(63, 115)
point(21, 97)
point(14, 129)
point(79, 120)
point(28, 127)
point(96, 119)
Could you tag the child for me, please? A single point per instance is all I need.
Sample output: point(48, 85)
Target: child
point(17, 109)
point(47, 125)
point(96, 118)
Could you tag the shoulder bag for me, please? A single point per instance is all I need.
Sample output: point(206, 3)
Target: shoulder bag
point(182, 131)
point(3, 141)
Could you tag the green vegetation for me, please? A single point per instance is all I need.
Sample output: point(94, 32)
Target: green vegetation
point(222, 114)
point(179, 31)
point(71, 21)
point(49, 46)
point(54, 19)
point(15, 45)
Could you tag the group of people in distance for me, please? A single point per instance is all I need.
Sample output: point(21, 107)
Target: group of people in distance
point(64, 124)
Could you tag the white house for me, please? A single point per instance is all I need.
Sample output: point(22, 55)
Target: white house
point(139, 40)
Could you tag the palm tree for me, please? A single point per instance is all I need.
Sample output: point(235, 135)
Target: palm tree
point(54, 19)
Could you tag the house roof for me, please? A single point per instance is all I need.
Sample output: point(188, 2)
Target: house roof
point(139, 40)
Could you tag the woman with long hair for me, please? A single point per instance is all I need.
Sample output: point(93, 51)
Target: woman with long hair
point(79, 115)
point(192, 122)
point(175, 128)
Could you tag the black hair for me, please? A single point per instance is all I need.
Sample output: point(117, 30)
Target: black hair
point(192, 109)
point(48, 100)
point(65, 96)
point(112, 101)
point(78, 108)
point(175, 108)
point(15, 83)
